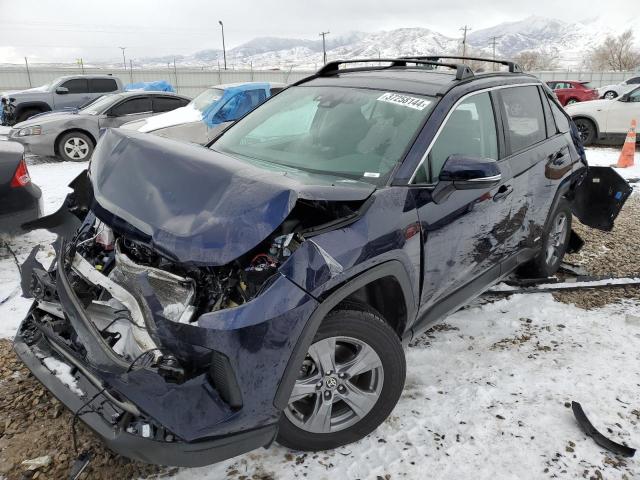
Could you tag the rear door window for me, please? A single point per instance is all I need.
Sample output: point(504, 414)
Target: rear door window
point(77, 85)
point(102, 85)
point(523, 116)
point(470, 130)
point(132, 106)
point(166, 104)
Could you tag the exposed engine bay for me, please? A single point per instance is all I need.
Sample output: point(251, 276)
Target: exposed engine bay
point(125, 286)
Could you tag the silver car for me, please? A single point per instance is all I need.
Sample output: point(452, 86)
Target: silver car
point(72, 135)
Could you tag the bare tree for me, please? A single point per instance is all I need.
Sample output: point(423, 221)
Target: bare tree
point(615, 53)
point(535, 60)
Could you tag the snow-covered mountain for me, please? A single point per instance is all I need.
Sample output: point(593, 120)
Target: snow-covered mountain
point(567, 42)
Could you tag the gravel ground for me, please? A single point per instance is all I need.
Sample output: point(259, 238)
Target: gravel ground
point(608, 253)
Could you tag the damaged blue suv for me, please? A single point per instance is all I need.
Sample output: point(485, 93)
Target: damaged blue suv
point(213, 300)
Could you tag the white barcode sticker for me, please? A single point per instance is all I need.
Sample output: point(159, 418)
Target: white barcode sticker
point(404, 100)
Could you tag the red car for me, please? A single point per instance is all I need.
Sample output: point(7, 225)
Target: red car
point(569, 91)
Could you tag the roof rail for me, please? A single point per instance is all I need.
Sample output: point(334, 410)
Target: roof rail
point(333, 68)
point(513, 66)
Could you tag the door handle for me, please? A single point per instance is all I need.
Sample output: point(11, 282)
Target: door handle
point(503, 192)
point(557, 158)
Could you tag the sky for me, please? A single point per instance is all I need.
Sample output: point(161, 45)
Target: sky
point(64, 30)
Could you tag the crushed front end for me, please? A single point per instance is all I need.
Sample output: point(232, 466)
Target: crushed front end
point(174, 351)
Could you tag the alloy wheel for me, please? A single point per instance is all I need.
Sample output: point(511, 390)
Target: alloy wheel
point(76, 148)
point(339, 383)
point(583, 131)
point(610, 95)
point(557, 235)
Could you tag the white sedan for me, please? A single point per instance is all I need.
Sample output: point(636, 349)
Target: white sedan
point(609, 92)
point(606, 121)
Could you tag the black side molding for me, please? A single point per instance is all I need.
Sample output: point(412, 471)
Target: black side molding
point(600, 439)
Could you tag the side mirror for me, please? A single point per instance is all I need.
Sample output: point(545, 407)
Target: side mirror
point(62, 90)
point(462, 172)
point(468, 173)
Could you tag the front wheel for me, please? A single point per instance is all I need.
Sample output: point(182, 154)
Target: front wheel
point(348, 384)
point(75, 147)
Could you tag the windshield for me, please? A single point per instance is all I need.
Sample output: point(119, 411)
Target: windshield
point(348, 132)
point(206, 98)
point(101, 104)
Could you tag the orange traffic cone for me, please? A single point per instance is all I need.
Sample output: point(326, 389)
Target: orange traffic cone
point(629, 148)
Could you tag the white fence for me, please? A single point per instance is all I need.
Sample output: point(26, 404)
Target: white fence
point(187, 81)
point(191, 81)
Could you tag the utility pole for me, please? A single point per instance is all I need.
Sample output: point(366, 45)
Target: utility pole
point(324, 46)
point(130, 71)
point(464, 29)
point(124, 60)
point(224, 49)
point(81, 64)
point(493, 46)
point(26, 63)
point(175, 72)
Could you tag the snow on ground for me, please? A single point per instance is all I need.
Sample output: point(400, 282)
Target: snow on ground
point(608, 157)
point(485, 395)
point(53, 179)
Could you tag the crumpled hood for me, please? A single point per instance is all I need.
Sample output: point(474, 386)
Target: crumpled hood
point(197, 205)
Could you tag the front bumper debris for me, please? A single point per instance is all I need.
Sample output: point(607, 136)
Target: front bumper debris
point(117, 438)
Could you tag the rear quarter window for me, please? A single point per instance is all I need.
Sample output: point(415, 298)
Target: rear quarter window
point(524, 117)
point(103, 85)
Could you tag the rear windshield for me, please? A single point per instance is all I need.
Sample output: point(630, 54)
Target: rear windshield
point(353, 133)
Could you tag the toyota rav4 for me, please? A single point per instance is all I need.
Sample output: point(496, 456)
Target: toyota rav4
point(209, 301)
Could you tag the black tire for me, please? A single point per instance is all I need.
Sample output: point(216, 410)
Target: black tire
point(373, 331)
point(68, 142)
point(610, 95)
point(544, 264)
point(586, 129)
point(27, 114)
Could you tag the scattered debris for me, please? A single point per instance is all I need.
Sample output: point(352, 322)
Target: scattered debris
point(36, 463)
point(600, 439)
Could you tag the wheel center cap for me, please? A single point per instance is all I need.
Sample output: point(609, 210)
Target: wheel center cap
point(330, 383)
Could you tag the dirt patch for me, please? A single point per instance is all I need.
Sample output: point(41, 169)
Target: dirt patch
point(608, 253)
point(34, 424)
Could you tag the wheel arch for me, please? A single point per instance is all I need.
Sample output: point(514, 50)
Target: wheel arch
point(39, 105)
point(70, 130)
point(388, 273)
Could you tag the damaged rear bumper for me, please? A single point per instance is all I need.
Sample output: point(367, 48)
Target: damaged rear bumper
point(187, 454)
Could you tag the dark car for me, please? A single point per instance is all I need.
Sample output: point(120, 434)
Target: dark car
point(20, 199)
point(211, 301)
point(569, 91)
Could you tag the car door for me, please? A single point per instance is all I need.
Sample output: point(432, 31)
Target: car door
point(621, 111)
point(561, 91)
point(463, 235)
point(71, 93)
point(128, 110)
point(538, 157)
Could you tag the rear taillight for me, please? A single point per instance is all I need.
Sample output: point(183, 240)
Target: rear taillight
point(21, 178)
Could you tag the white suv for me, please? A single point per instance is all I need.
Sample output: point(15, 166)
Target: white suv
point(606, 121)
point(609, 92)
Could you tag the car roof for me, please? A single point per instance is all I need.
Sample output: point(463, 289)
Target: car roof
point(134, 93)
point(224, 86)
point(98, 75)
point(414, 80)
